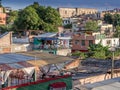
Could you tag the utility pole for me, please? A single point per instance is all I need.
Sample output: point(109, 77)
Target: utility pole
point(112, 67)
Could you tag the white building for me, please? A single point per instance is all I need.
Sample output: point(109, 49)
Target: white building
point(111, 42)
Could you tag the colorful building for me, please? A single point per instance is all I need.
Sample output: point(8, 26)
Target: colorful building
point(53, 43)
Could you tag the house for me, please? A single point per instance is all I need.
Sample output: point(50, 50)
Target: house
point(81, 42)
point(110, 42)
point(107, 29)
point(53, 43)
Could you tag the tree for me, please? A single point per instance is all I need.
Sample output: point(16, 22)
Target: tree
point(108, 18)
point(51, 19)
point(27, 19)
point(117, 33)
point(91, 25)
point(38, 17)
point(98, 51)
point(116, 20)
point(13, 15)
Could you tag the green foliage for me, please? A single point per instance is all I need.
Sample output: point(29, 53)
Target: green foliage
point(79, 54)
point(12, 17)
point(116, 20)
point(108, 18)
point(91, 25)
point(98, 51)
point(117, 32)
point(27, 19)
point(112, 19)
point(68, 26)
point(38, 17)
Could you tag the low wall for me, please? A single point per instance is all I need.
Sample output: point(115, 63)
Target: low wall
point(63, 52)
point(97, 78)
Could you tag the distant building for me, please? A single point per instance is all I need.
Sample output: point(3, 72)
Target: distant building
point(70, 12)
point(114, 11)
point(7, 9)
point(80, 11)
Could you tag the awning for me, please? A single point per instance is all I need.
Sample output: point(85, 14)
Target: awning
point(42, 38)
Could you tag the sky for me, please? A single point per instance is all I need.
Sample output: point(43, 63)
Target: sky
point(99, 4)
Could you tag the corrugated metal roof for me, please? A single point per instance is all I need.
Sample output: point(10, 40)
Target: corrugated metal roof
point(46, 58)
point(47, 35)
point(4, 34)
point(13, 57)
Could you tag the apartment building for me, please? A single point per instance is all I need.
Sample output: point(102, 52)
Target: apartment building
point(70, 12)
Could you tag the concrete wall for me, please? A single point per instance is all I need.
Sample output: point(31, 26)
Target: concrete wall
point(63, 52)
point(5, 43)
point(6, 40)
point(20, 40)
point(97, 78)
point(21, 47)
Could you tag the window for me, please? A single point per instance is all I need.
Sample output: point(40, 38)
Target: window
point(108, 42)
point(65, 12)
point(90, 42)
point(76, 42)
point(83, 42)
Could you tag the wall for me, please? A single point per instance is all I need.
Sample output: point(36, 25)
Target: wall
point(97, 78)
point(5, 42)
point(63, 52)
point(21, 47)
point(20, 40)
